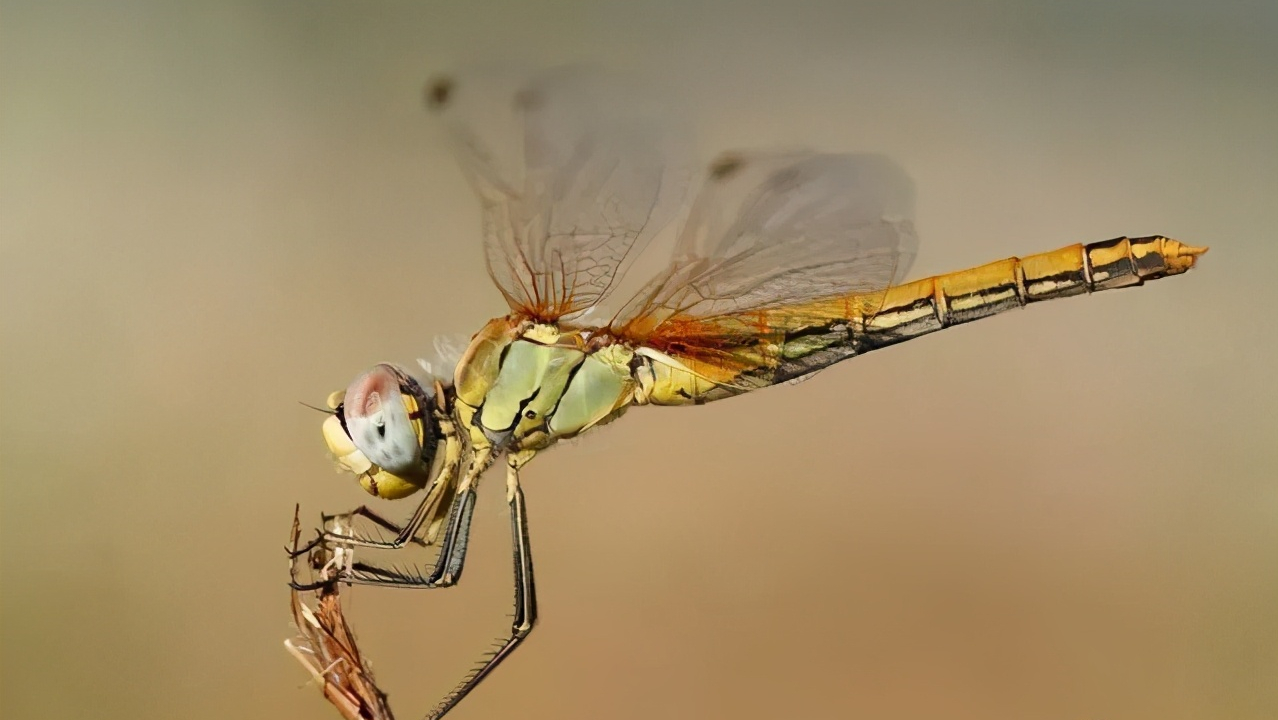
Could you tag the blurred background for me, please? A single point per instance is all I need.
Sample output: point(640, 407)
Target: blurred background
point(1067, 512)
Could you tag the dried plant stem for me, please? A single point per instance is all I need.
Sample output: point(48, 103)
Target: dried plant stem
point(325, 645)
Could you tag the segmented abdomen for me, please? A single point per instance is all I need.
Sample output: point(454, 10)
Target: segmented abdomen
point(861, 323)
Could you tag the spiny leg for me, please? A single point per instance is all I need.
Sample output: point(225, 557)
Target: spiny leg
point(448, 566)
point(403, 534)
point(452, 553)
point(440, 489)
point(525, 595)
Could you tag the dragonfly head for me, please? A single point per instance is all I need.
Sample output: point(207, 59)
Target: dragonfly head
point(383, 430)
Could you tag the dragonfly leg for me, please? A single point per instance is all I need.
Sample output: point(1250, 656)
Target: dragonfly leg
point(402, 534)
point(525, 597)
point(440, 489)
point(427, 509)
point(446, 571)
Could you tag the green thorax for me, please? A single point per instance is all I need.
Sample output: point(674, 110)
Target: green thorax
point(523, 385)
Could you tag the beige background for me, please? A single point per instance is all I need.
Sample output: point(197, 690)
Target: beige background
point(1068, 512)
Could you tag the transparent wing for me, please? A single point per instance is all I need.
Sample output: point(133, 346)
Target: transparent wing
point(769, 231)
point(780, 252)
point(570, 170)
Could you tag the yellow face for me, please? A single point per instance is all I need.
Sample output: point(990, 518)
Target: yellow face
point(382, 431)
point(372, 478)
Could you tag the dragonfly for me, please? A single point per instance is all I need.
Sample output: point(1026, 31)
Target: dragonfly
point(785, 263)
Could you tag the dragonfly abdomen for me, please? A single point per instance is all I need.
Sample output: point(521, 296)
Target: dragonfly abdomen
point(907, 311)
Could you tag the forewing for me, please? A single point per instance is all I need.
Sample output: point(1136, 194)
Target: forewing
point(774, 230)
point(571, 174)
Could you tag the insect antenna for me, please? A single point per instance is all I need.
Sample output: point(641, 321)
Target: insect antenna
point(317, 409)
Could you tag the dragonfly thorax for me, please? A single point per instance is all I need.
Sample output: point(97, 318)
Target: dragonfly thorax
point(524, 385)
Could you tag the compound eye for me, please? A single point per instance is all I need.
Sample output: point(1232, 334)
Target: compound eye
point(379, 424)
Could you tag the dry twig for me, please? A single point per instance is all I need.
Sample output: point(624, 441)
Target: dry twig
point(325, 644)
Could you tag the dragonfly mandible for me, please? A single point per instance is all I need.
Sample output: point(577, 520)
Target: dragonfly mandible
point(786, 263)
